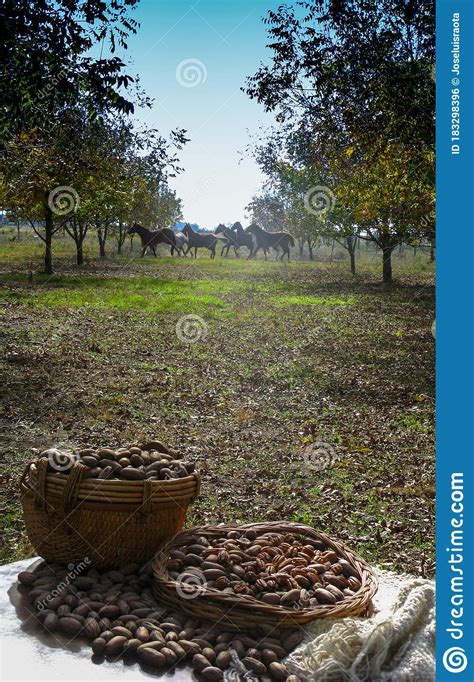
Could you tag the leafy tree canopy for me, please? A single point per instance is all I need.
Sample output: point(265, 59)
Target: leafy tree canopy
point(347, 65)
point(47, 60)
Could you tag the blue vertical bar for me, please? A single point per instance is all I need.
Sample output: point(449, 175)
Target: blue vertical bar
point(455, 340)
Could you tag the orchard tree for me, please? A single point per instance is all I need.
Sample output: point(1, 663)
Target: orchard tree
point(49, 71)
point(355, 79)
point(97, 150)
point(47, 174)
point(341, 226)
point(390, 194)
point(129, 180)
point(87, 174)
point(267, 210)
point(36, 185)
point(308, 203)
point(149, 199)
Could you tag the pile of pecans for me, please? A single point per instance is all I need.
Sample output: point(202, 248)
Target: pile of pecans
point(153, 461)
point(116, 611)
point(278, 569)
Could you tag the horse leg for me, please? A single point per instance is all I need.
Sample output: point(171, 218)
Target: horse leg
point(213, 252)
point(254, 250)
point(236, 251)
point(143, 251)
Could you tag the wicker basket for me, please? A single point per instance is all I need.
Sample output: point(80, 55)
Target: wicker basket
point(109, 522)
point(239, 612)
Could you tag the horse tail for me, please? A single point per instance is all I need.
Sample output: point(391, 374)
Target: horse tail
point(169, 236)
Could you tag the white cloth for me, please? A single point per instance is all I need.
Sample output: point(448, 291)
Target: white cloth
point(396, 644)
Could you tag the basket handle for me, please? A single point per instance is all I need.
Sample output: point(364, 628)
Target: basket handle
point(39, 488)
point(198, 487)
point(37, 483)
point(73, 484)
point(25, 473)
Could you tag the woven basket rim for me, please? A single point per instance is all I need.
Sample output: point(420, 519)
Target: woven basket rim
point(107, 492)
point(99, 482)
point(244, 605)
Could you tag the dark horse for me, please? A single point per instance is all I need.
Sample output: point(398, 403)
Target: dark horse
point(269, 240)
point(236, 237)
point(152, 239)
point(199, 240)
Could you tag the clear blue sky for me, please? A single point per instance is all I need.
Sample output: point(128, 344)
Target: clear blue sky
point(228, 39)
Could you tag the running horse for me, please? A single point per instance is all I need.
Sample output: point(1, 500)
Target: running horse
point(201, 240)
point(151, 239)
point(269, 240)
point(236, 237)
point(181, 241)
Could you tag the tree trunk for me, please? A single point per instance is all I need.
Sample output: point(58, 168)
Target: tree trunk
point(301, 246)
point(432, 251)
point(332, 250)
point(353, 260)
point(387, 264)
point(310, 249)
point(18, 230)
point(351, 243)
point(79, 253)
point(102, 236)
point(121, 237)
point(48, 242)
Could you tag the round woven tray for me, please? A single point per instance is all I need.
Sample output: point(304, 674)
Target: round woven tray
point(109, 522)
point(239, 612)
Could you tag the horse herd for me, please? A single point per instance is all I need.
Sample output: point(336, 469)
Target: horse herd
point(252, 237)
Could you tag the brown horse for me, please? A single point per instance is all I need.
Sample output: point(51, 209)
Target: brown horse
point(236, 237)
point(269, 240)
point(200, 240)
point(152, 239)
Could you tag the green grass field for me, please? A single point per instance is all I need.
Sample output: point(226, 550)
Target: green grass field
point(292, 355)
